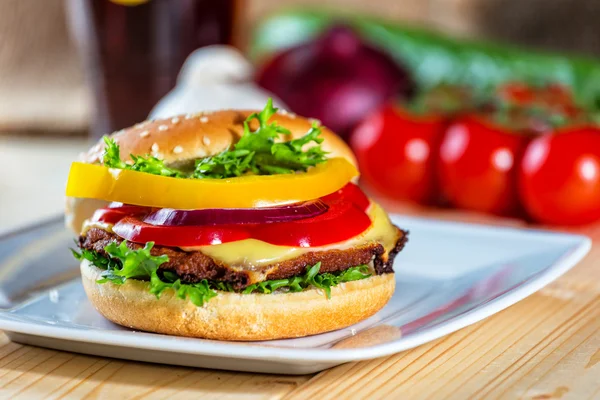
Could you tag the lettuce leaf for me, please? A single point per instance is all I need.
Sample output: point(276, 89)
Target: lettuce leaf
point(198, 293)
point(311, 277)
point(147, 163)
point(124, 263)
point(258, 153)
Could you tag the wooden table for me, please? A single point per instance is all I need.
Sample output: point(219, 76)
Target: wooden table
point(545, 347)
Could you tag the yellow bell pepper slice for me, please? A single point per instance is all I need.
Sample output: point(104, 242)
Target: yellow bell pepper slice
point(140, 188)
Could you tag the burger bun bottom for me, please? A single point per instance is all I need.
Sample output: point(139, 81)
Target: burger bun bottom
point(234, 316)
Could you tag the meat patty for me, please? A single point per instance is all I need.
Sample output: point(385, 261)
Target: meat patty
point(193, 266)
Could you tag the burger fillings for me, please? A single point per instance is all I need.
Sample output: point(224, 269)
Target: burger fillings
point(230, 225)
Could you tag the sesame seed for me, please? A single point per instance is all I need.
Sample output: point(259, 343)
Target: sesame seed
point(163, 127)
point(315, 121)
point(204, 120)
point(287, 113)
point(129, 162)
point(175, 120)
point(189, 116)
point(177, 149)
point(206, 140)
point(144, 134)
point(155, 147)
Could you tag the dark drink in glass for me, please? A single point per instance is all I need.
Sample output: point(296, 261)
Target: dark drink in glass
point(134, 52)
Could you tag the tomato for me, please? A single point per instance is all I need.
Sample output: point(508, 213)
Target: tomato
point(396, 152)
point(135, 230)
point(344, 219)
point(351, 193)
point(560, 177)
point(117, 211)
point(478, 165)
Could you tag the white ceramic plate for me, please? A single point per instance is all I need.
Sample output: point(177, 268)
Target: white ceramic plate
point(449, 276)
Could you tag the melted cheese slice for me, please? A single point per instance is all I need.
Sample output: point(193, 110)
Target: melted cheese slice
point(253, 255)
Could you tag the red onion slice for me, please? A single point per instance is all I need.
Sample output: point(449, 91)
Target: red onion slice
point(292, 212)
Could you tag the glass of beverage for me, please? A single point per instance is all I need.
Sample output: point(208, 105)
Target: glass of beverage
point(134, 49)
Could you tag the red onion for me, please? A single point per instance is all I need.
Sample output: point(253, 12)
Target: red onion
point(336, 78)
point(292, 212)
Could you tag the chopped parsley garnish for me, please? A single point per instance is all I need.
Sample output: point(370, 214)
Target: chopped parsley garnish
point(148, 163)
point(124, 263)
point(311, 277)
point(257, 152)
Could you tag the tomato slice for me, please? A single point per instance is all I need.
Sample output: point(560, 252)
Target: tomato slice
point(114, 213)
point(134, 230)
point(344, 219)
point(351, 193)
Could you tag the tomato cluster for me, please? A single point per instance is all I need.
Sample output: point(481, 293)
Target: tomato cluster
point(530, 152)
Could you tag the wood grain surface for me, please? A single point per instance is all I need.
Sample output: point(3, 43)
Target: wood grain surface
point(545, 347)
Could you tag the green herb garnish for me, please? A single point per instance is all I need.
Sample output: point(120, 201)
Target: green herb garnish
point(97, 259)
point(257, 152)
point(198, 293)
point(148, 163)
point(311, 277)
point(124, 263)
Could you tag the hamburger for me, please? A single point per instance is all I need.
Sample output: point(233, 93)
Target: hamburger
point(230, 225)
